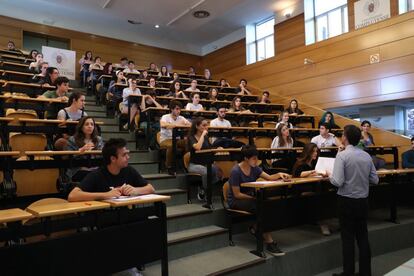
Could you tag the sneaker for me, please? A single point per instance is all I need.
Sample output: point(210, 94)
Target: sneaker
point(125, 127)
point(325, 230)
point(274, 249)
point(201, 195)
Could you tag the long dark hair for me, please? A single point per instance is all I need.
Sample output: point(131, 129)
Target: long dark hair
point(79, 136)
point(172, 87)
point(290, 109)
point(195, 122)
point(86, 55)
point(306, 155)
point(106, 68)
point(331, 122)
point(279, 134)
point(76, 95)
point(210, 93)
point(233, 103)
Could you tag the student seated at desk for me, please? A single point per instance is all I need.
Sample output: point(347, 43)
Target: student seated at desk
point(175, 77)
point(75, 110)
point(207, 74)
point(213, 94)
point(123, 64)
point(144, 75)
point(153, 67)
point(368, 140)
point(134, 112)
point(175, 90)
point(325, 138)
point(52, 73)
point(114, 94)
point(12, 47)
point(86, 138)
point(224, 83)
point(191, 71)
point(236, 106)
point(152, 83)
point(195, 103)
point(193, 87)
point(34, 66)
point(293, 108)
point(131, 68)
point(96, 65)
point(408, 156)
point(283, 140)
point(284, 119)
point(305, 167)
point(61, 93)
point(42, 72)
point(264, 99)
point(220, 121)
point(33, 53)
point(328, 118)
point(242, 198)
point(242, 90)
point(198, 140)
point(164, 72)
point(114, 179)
point(168, 122)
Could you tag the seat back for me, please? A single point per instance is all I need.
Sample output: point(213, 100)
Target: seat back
point(269, 124)
point(29, 114)
point(263, 142)
point(27, 142)
point(254, 124)
point(225, 167)
point(186, 160)
point(36, 182)
point(244, 140)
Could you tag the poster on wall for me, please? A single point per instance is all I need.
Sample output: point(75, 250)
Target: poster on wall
point(64, 60)
point(368, 12)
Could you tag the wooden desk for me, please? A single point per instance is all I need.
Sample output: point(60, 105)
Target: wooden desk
point(137, 235)
point(13, 215)
point(9, 65)
point(66, 208)
point(18, 76)
point(384, 149)
point(62, 152)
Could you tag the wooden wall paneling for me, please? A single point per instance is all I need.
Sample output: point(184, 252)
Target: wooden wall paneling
point(290, 34)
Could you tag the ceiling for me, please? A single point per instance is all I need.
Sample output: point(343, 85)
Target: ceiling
point(179, 30)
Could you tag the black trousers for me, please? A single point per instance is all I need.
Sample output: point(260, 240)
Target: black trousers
point(353, 221)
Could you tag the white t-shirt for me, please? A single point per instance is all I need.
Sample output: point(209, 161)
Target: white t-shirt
point(192, 90)
point(275, 145)
point(191, 106)
point(324, 142)
point(165, 133)
point(219, 123)
point(126, 92)
point(127, 70)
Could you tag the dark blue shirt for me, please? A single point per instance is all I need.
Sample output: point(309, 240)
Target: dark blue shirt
point(237, 177)
point(408, 159)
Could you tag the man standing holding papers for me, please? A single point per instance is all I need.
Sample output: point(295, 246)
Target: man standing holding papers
point(353, 172)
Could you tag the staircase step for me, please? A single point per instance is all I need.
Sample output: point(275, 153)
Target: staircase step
point(187, 216)
point(145, 167)
point(110, 127)
point(166, 181)
point(144, 155)
point(91, 108)
point(107, 120)
point(97, 114)
point(213, 262)
point(106, 135)
point(192, 241)
point(178, 196)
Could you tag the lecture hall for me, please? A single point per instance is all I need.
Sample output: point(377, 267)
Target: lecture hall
point(207, 137)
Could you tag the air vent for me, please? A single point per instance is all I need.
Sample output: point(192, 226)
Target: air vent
point(133, 22)
point(201, 14)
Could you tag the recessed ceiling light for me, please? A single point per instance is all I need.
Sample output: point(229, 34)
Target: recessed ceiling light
point(201, 14)
point(157, 26)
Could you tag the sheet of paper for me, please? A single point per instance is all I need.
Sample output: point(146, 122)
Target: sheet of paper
point(325, 165)
point(127, 198)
